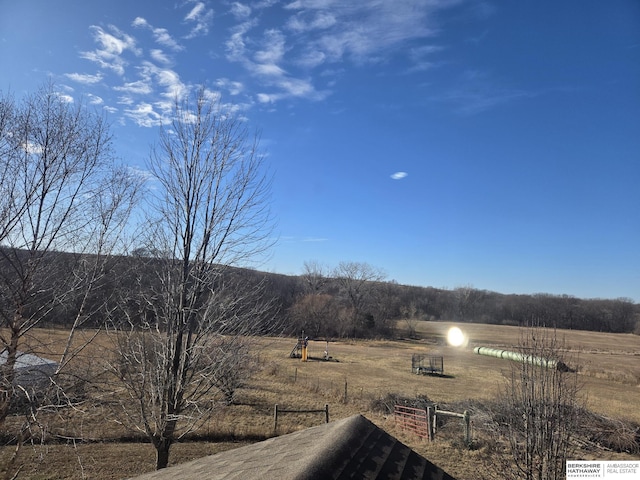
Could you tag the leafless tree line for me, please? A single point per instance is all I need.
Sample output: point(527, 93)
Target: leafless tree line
point(334, 302)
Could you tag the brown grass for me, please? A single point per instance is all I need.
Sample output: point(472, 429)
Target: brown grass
point(359, 373)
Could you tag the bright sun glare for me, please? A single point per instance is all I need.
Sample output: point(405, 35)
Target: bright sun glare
point(455, 337)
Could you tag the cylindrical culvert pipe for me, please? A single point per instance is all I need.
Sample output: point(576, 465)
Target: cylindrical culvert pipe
point(521, 357)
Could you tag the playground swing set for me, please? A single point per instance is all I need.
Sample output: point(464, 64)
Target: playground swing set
point(301, 349)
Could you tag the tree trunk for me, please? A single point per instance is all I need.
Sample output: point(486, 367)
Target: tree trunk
point(162, 453)
point(8, 372)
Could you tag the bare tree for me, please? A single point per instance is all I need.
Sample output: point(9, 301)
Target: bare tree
point(316, 314)
point(210, 211)
point(466, 300)
point(313, 277)
point(63, 208)
point(358, 282)
point(410, 316)
point(539, 408)
point(314, 311)
point(61, 199)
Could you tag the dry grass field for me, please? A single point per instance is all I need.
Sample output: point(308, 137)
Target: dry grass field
point(359, 375)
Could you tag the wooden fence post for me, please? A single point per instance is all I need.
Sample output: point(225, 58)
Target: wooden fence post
point(326, 412)
point(467, 428)
point(435, 420)
point(275, 418)
point(430, 423)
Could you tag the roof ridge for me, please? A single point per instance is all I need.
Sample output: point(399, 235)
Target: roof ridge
point(344, 439)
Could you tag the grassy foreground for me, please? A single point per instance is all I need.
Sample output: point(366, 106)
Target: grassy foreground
point(361, 377)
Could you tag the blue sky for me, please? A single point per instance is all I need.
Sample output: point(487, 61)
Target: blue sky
point(448, 142)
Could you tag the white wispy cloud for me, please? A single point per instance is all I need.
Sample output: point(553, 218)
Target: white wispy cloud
point(143, 85)
point(399, 175)
point(471, 102)
point(233, 87)
point(280, 56)
point(240, 10)
point(161, 35)
point(159, 56)
point(287, 87)
point(272, 50)
point(264, 4)
point(363, 31)
point(317, 21)
point(476, 91)
point(420, 57)
point(139, 87)
point(141, 174)
point(326, 33)
point(298, 87)
point(195, 12)
point(65, 97)
point(200, 16)
point(84, 78)
point(140, 22)
point(112, 45)
point(265, 64)
point(32, 148)
point(94, 99)
point(311, 59)
point(236, 45)
point(319, 4)
point(294, 239)
point(144, 115)
point(213, 96)
point(150, 97)
point(163, 38)
point(173, 86)
point(147, 93)
point(291, 88)
point(125, 100)
point(267, 98)
point(266, 69)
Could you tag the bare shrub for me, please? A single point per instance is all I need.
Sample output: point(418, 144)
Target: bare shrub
point(537, 410)
point(234, 365)
point(601, 432)
point(636, 330)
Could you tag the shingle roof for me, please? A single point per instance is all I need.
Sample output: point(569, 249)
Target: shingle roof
point(352, 448)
